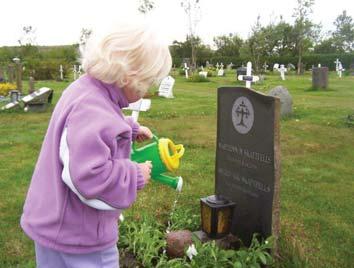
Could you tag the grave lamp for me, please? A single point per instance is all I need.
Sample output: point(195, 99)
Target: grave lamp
point(216, 215)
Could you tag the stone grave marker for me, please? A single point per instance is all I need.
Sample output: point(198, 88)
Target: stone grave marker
point(286, 101)
point(221, 71)
point(319, 77)
point(166, 87)
point(38, 100)
point(31, 85)
point(275, 67)
point(247, 168)
point(229, 66)
point(265, 67)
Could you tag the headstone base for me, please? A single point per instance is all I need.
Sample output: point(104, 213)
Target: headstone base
point(36, 107)
point(227, 242)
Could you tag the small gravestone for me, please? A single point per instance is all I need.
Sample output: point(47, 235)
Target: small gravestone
point(319, 77)
point(14, 100)
point(221, 71)
point(247, 168)
point(276, 67)
point(291, 66)
point(286, 101)
point(229, 66)
point(39, 100)
point(351, 68)
point(31, 85)
point(166, 87)
point(265, 67)
point(241, 71)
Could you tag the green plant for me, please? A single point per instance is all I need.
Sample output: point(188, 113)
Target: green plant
point(198, 78)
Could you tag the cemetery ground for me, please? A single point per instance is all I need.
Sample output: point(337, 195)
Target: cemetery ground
point(317, 155)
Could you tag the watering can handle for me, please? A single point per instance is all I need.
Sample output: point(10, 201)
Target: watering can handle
point(154, 137)
point(179, 151)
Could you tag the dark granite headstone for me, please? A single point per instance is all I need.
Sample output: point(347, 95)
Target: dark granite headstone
point(320, 77)
point(241, 71)
point(248, 160)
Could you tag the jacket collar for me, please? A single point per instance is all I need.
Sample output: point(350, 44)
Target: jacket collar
point(115, 93)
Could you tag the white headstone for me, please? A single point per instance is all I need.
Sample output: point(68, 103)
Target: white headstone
point(221, 72)
point(203, 73)
point(141, 105)
point(217, 66)
point(166, 87)
point(276, 66)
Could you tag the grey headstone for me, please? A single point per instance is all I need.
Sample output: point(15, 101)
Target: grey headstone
point(248, 160)
point(320, 77)
point(31, 85)
point(286, 101)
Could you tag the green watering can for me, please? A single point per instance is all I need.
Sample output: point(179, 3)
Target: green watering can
point(164, 155)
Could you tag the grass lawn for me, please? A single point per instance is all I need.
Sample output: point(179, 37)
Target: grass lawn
point(317, 186)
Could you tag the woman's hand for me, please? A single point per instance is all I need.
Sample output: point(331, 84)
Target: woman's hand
point(144, 133)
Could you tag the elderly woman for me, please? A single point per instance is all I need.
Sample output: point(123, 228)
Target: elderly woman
point(84, 177)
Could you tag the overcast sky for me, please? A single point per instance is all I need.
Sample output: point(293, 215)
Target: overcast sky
point(60, 22)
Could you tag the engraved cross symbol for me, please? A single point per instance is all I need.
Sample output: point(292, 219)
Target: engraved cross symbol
point(243, 111)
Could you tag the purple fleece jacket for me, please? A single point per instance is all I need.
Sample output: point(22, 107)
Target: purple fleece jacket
point(98, 138)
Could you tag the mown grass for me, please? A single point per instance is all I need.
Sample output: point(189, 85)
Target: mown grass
point(317, 166)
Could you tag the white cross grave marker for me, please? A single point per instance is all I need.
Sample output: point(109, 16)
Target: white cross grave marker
point(166, 87)
point(79, 71)
point(74, 71)
point(282, 71)
point(248, 77)
point(141, 105)
point(217, 66)
point(61, 72)
point(186, 68)
point(339, 68)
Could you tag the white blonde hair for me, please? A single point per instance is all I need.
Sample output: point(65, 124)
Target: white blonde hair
point(131, 56)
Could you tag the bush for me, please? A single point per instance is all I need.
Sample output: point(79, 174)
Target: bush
point(5, 88)
point(198, 78)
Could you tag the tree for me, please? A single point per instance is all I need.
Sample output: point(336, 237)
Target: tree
point(192, 9)
point(343, 36)
point(303, 28)
point(146, 6)
point(84, 36)
point(228, 45)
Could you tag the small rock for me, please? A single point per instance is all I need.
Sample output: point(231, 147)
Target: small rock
point(177, 242)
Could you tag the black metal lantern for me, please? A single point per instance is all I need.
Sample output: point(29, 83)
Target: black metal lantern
point(216, 214)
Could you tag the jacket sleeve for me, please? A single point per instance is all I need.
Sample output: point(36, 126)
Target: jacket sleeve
point(95, 176)
point(134, 125)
